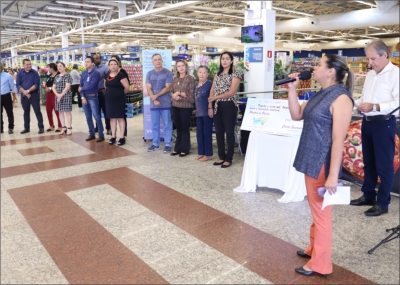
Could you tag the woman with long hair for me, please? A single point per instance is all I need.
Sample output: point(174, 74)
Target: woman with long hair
point(61, 88)
point(222, 106)
point(182, 107)
point(51, 98)
point(116, 84)
point(326, 116)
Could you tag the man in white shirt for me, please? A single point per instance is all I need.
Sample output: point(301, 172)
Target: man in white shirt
point(380, 98)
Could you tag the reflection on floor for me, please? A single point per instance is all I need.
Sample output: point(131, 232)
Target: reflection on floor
point(84, 212)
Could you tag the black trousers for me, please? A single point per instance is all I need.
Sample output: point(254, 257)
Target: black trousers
point(224, 122)
point(378, 149)
point(181, 118)
point(6, 103)
point(74, 91)
point(102, 106)
point(26, 103)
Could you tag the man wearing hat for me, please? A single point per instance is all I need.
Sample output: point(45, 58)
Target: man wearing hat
point(76, 79)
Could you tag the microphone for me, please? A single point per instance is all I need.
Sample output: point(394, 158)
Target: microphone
point(305, 75)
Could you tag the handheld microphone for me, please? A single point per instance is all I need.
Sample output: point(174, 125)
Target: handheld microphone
point(305, 75)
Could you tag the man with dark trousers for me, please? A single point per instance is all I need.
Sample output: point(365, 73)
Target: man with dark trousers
point(378, 130)
point(28, 83)
point(6, 102)
point(103, 70)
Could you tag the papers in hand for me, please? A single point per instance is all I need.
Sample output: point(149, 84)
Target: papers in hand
point(341, 197)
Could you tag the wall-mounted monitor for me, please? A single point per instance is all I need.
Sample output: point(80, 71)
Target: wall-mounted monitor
point(252, 34)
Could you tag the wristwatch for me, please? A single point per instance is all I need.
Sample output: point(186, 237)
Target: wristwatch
point(374, 108)
point(82, 98)
point(27, 91)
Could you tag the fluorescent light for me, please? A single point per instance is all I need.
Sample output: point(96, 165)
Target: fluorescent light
point(17, 30)
point(72, 3)
point(59, 15)
point(70, 10)
point(324, 41)
point(366, 3)
point(352, 40)
point(375, 28)
point(292, 11)
point(218, 14)
point(50, 19)
point(123, 2)
point(30, 24)
point(205, 21)
point(41, 22)
point(329, 31)
point(301, 33)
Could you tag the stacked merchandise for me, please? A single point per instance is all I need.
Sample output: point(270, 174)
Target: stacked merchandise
point(135, 74)
point(359, 79)
point(133, 109)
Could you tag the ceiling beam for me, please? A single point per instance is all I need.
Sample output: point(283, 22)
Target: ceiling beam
point(8, 7)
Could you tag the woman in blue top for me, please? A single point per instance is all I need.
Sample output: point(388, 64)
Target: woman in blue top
point(327, 117)
point(204, 122)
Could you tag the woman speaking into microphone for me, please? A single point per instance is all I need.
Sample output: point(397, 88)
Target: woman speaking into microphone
point(326, 116)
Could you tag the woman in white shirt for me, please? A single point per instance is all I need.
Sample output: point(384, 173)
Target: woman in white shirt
point(76, 79)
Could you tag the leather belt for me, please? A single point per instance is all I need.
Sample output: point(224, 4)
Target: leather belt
point(90, 95)
point(6, 93)
point(379, 117)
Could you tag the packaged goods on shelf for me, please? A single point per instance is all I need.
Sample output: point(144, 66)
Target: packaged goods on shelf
point(135, 73)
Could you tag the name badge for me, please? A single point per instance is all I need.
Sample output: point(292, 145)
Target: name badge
point(88, 79)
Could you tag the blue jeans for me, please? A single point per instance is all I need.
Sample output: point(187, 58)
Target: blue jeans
point(204, 126)
point(155, 120)
point(92, 108)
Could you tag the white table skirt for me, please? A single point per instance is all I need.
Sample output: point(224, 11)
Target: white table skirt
point(268, 163)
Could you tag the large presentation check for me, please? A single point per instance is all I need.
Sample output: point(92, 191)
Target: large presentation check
point(270, 116)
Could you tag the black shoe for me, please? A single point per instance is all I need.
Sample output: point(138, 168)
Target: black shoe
point(112, 140)
point(109, 132)
point(226, 165)
point(121, 141)
point(25, 131)
point(10, 131)
point(218, 163)
point(183, 154)
point(90, 137)
point(174, 153)
point(362, 201)
point(375, 211)
point(301, 271)
point(41, 131)
point(100, 139)
point(302, 254)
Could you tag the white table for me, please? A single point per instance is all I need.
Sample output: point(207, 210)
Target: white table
point(268, 163)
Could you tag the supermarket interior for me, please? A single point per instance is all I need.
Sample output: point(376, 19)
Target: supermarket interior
point(76, 210)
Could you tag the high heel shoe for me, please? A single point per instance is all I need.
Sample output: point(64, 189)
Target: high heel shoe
point(69, 133)
point(121, 141)
point(63, 132)
point(112, 140)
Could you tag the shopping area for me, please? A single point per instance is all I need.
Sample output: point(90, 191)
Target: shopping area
point(78, 212)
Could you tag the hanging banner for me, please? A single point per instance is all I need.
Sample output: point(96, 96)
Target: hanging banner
point(148, 66)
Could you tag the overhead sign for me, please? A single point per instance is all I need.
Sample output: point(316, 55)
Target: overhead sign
point(270, 116)
point(133, 49)
point(181, 41)
point(211, 49)
point(256, 54)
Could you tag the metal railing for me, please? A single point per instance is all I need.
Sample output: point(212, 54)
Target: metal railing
point(279, 91)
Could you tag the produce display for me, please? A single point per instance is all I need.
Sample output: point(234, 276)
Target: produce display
point(352, 152)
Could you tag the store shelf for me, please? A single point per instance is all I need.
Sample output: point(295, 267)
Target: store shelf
point(135, 73)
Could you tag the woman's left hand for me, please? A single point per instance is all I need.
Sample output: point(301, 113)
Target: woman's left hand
point(331, 184)
point(211, 99)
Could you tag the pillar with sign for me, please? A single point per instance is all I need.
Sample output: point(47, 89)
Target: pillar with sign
point(258, 36)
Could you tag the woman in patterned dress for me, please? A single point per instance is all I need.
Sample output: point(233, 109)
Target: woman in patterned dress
point(222, 106)
point(61, 88)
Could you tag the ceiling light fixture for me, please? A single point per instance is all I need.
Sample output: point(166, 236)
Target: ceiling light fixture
point(41, 22)
point(292, 11)
point(72, 3)
point(70, 10)
point(324, 41)
point(205, 21)
point(30, 24)
point(366, 3)
point(375, 28)
point(329, 31)
point(218, 14)
point(58, 15)
point(49, 19)
point(18, 30)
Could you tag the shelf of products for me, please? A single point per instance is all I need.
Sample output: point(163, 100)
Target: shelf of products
point(135, 74)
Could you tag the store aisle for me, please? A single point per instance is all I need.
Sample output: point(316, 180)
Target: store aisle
point(84, 212)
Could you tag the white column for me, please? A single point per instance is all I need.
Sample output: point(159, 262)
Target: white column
point(260, 76)
point(14, 61)
point(64, 43)
point(82, 31)
point(122, 10)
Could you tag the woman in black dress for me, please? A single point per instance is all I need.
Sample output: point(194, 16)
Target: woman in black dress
point(116, 84)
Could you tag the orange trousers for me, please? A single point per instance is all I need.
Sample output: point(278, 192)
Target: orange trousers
point(320, 247)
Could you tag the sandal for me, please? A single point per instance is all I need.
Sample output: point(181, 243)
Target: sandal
point(63, 132)
point(205, 158)
point(50, 129)
point(69, 133)
point(121, 141)
point(58, 130)
point(112, 140)
point(199, 157)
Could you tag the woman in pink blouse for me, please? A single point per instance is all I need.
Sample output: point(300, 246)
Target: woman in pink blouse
point(182, 94)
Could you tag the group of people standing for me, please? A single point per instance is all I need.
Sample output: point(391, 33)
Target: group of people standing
point(215, 102)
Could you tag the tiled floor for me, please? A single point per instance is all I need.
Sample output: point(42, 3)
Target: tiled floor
point(89, 213)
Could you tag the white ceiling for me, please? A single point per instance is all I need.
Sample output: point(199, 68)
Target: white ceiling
point(24, 23)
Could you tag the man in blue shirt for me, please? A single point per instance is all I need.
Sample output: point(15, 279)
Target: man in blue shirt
point(158, 84)
point(103, 70)
point(7, 85)
point(88, 90)
point(28, 85)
